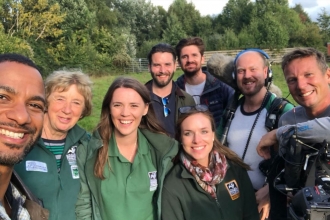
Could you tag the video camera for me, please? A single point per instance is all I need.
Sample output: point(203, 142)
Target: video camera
point(307, 177)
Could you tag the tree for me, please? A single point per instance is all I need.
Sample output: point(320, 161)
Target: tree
point(174, 31)
point(187, 15)
point(268, 32)
point(32, 19)
point(140, 18)
point(304, 18)
point(324, 24)
point(236, 15)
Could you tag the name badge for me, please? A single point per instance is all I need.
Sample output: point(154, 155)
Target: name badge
point(36, 166)
point(233, 190)
point(153, 180)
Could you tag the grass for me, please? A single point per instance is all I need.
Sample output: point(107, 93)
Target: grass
point(101, 85)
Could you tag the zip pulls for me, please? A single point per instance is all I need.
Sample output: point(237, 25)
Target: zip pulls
point(216, 200)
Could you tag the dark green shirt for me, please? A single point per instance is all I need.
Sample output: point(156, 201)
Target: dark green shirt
point(184, 199)
point(128, 189)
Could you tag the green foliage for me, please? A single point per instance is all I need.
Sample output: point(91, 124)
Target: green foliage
point(32, 19)
point(100, 36)
point(187, 16)
point(236, 14)
point(324, 24)
point(174, 31)
point(145, 48)
point(304, 18)
point(269, 32)
point(14, 45)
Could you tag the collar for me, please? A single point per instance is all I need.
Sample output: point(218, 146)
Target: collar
point(16, 201)
point(143, 147)
point(75, 134)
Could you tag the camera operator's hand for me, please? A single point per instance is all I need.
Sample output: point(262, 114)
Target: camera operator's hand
point(265, 142)
point(262, 197)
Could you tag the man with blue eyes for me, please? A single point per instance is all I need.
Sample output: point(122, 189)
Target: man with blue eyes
point(308, 76)
point(199, 83)
point(252, 74)
point(166, 96)
point(22, 104)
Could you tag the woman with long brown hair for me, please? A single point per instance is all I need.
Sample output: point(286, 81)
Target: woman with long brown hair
point(209, 181)
point(123, 168)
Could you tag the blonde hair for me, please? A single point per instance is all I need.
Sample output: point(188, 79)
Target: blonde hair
point(62, 80)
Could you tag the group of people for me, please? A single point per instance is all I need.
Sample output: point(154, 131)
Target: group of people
point(156, 151)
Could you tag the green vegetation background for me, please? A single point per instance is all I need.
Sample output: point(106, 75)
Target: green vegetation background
point(101, 85)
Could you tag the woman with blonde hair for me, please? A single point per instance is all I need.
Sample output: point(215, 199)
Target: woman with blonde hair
point(210, 181)
point(50, 170)
point(123, 168)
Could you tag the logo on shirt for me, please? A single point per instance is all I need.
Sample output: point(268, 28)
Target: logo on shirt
point(71, 155)
point(72, 160)
point(153, 180)
point(233, 190)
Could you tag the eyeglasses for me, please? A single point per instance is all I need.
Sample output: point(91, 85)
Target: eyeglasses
point(165, 102)
point(187, 109)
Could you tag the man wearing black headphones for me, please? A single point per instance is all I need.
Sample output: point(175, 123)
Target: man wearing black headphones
point(252, 74)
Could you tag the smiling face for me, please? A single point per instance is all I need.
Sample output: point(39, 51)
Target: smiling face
point(127, 108)
point(64, 110)
point(197, 137)
point(22, 103)
point(191, 60)
point(251, 73)
point(162, 68)
point(308, 85)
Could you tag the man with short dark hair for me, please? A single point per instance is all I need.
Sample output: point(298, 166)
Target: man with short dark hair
point(166, 96)
point(22, 104)
point(307, 76)
point(200, 84)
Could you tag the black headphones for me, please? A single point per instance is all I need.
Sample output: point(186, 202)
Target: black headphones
point(263, 53)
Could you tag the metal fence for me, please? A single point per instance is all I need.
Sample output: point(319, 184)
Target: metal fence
point(137, 65)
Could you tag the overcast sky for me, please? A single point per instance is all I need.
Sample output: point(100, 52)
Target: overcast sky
point(312, 7)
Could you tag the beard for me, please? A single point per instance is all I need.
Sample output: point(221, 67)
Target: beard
point(254, 91)
point(162, 84)
point(191, 72)
point(9, 158)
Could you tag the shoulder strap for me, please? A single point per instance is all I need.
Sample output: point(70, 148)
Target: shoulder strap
point(274, 112)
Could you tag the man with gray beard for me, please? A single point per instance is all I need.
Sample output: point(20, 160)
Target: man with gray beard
point(166, 96)
point(22, 105)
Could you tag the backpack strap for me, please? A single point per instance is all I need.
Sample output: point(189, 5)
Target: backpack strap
point(274, 113)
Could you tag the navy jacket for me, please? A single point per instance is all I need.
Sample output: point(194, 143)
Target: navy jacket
point(216, 94)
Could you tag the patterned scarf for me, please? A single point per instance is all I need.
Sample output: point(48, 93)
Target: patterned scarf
point(207, 177)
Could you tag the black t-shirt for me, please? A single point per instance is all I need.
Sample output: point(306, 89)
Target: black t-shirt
point(168, 122)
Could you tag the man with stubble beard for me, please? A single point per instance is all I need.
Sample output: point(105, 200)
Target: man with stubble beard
point(22, 104)
point(166, 96)
point(200, 84)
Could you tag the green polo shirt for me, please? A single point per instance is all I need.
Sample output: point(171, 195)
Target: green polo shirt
point(128, 189)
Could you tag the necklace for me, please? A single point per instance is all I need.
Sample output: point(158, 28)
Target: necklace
point(132, 154)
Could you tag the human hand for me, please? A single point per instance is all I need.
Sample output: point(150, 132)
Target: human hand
point(262, 197)
point(265, 142)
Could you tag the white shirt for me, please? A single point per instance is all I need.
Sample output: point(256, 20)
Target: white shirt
point(195, 91)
